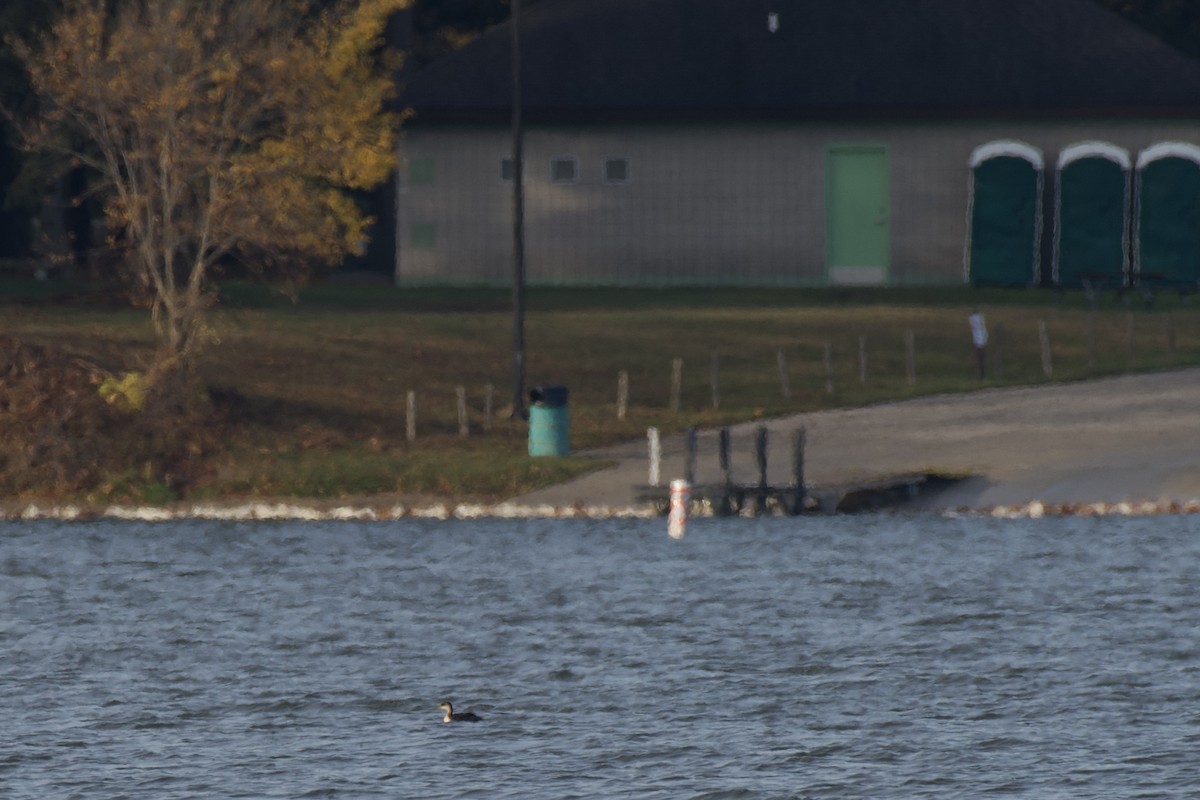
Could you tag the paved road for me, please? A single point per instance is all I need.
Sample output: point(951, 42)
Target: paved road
point(1131, 438)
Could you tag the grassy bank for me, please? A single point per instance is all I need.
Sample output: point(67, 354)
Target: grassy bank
point(315, 391)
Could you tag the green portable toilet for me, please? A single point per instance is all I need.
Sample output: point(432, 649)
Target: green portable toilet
point(549, 421)
point(1004, 216)
point(1091, 199)
point(1167, 219)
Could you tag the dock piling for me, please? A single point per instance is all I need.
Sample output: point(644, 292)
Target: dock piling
point(760, 458)
point(655, 455)
point(724, 503)
point(689, 469)
point(798, 496)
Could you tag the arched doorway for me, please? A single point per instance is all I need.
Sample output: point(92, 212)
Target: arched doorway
point(1091, 234)
point(1004, 216)
point(1167, 219)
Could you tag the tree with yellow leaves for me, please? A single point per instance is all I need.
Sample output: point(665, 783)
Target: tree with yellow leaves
point(219, 129)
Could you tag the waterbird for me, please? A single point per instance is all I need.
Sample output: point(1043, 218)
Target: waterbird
point(463, 716)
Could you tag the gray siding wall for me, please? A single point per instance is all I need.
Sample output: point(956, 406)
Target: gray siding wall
point(733, 204)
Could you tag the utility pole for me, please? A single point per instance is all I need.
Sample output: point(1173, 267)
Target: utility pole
point(518, 157)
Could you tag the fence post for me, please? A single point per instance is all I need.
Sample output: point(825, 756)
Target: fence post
point(489, 396)
point(910, 356)
point(410, 415)
point(828, 368)
point(1129, 331)
point(784, 382)
point(998, 347)
point(655, 455)
point(622, 393)
point(676, 383)
point(1047, 361)
point(1091, 340)
point(862, 360)
point(715, 370)
point(464, 428)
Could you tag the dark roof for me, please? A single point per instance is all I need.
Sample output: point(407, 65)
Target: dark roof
point(828, 58)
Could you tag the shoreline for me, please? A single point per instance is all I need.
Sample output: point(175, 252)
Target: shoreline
point(264, 511)
point(1112, 446)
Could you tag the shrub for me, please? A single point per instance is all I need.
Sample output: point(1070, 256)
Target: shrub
point(69, 425)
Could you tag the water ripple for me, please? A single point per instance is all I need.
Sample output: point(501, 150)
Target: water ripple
point(823, 658)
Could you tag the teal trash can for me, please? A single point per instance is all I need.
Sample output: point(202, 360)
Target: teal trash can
point(549, 421)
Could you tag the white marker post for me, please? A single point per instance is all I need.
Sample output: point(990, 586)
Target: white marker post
point(681, 501)
point(655, 454)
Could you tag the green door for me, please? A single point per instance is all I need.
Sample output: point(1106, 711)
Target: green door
point(1169, 221)
point(1005, 220)
point(857, 221)
point(1090, 241)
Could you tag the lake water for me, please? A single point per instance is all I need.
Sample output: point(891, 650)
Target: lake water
point(833, 657)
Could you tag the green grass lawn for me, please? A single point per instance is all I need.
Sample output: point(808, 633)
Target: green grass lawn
point(321, 383)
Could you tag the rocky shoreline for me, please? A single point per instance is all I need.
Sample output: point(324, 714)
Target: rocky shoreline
point(301, 512)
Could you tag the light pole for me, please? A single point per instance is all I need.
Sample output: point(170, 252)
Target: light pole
point(518, 285)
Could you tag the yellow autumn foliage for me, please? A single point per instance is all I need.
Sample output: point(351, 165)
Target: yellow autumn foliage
point(127, 392)
point(219, 128)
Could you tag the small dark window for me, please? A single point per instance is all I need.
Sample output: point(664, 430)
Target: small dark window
point(420, 171)
point(564, 169)
point(423, 235)
point(616, 170)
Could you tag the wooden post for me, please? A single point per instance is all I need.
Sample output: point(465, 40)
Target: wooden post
point(689, 467)
point(784, 382)
point(723, 457)
point(910, 357)
point(410, 416)
point(760, 457)
point(655, 455)
point(998, 350)
point(862, 360)
point(799, 492)
point(676, 383)
point(489, 401)
point(622, 393)
point(1091, 341)
point(1047, 361)
point(713, 380)
point(464, 428)
point(724, 506)
point(828, 368)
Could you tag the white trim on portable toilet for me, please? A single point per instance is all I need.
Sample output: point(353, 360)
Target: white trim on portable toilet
point(1072, 153)
point(1154, 152)
point(1007, 147)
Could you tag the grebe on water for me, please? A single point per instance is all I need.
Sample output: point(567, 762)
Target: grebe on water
point(463, 716)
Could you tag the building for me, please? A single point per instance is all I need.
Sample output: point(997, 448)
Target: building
point(808, 142)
